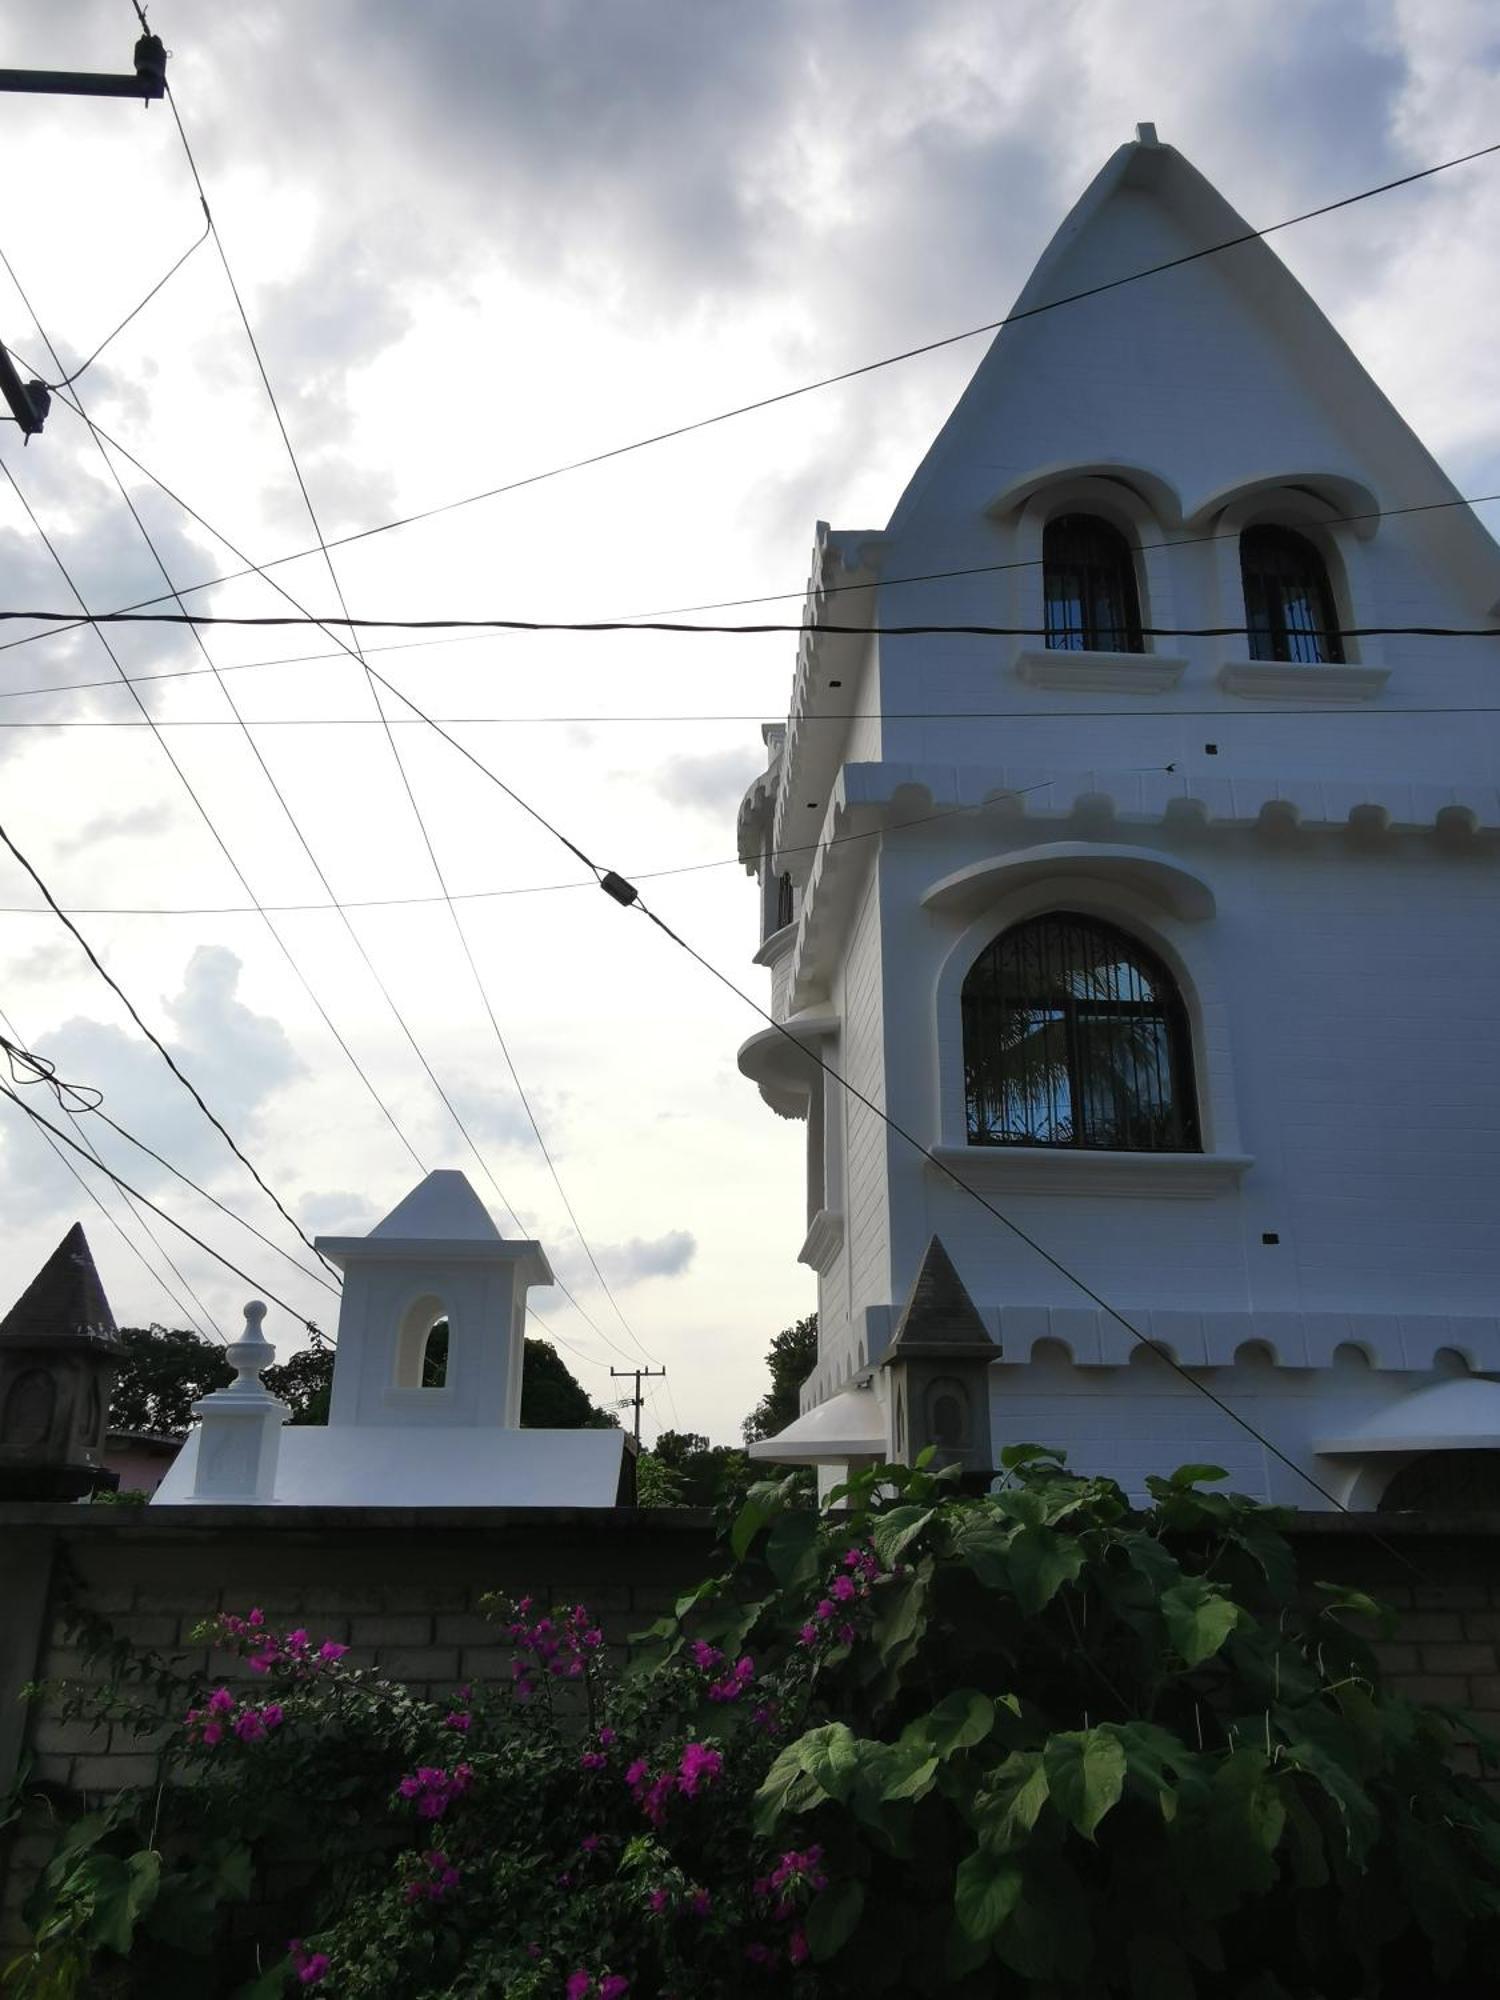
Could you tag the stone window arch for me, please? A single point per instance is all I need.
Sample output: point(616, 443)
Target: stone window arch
point(1091, 600)
point(1075, 1035)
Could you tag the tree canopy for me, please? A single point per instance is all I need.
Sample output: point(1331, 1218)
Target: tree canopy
point(791, 1358)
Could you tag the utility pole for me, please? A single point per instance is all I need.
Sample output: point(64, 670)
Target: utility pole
point(29, 401)
point(639, 1375)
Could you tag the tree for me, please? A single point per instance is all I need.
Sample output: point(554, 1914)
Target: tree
point(552, 1400)
point(791, 1358)
point(685, 1470)
point(165, 1370)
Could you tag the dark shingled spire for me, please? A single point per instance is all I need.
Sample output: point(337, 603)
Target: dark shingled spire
point(64, 1303)
point(939, 1317)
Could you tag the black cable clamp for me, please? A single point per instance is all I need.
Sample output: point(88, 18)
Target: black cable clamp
point(622, 891)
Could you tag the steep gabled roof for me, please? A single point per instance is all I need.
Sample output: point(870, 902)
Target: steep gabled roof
point(939, 1319)
point(64, 1303)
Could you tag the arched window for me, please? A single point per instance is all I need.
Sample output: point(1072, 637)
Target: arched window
point(1076, 1035)
point(785, 901)
point(1092, 605)
point(1289, 605)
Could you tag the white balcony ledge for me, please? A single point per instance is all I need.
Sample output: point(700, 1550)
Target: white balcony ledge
point(1099, 673)
point(1290, 680)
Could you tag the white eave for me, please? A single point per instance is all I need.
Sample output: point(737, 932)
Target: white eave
point(782, 1061)
point(1461, 1414)
point(848, 1425)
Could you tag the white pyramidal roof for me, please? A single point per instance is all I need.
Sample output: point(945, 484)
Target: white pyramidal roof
point(444, 1207)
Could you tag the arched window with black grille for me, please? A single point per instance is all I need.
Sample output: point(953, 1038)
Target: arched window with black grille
point(1092, 605)
point(1076, 1035)
point(1289, 607)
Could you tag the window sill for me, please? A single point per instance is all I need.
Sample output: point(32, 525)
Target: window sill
point(825, 1239)
point(777, 945)
point(1287, 680)
point(1099, 673)
point(1044, 1170)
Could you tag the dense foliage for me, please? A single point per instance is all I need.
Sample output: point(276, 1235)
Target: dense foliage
point(1035, 1742)
point(682, 1469)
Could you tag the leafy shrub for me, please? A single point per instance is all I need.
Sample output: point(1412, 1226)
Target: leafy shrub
point(1035, 1742)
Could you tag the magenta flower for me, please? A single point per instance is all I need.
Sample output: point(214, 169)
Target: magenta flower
point(457, 1720)
point(842, 1588)
point(607, 1736)
point(248, 1726)
point(591, 1843)
point(824, 1608)
point(636, 1773)
point(845, 1634)
point(593, 1760)
point(705, 1656)
point(615, 1987)
point(273, 1715)
point(699, 1766)
point(433, 1789)
point(808, 1635)
point(700, 1902)
point(309, 1966)
point(221, 1702)
point(331, 1650)
point(657, 1901)
point(212, 1732)
point(580, 1985)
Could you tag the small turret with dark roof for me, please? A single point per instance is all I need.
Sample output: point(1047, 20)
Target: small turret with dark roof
point(939, 1361)
point(59, 1349)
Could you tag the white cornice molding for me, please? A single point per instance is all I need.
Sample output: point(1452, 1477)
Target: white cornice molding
point(1156, 875)
point(1283, 680)
point(1099, 673)
point(1077, 1170)
point(824, 1240)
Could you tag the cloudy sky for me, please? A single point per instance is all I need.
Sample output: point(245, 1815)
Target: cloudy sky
point(476, 241)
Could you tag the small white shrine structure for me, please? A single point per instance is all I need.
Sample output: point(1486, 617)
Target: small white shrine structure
point(426, 1402)
point(1138, 874)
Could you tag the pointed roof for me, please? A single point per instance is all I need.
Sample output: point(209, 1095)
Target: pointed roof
point(444, 1207)
point(64, 1303)
point(939, 1319)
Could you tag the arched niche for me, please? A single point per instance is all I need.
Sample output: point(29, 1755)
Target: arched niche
point(424, 1334)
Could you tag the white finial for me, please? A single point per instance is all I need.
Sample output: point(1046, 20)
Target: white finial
point(1145, 135)
point(251, 1353)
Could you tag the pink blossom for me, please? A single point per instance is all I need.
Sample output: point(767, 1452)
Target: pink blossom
point(221, 1701)
point(824, 1608)
point(248, 1726)
point(580, 1985)
point(593, 1760)
point(700, 1902)
point(296, 1642)
point(309, 1966)
point(262, 1662)
point(591, 1843)
point(699, 1766)
point(842, 1588)
point(808, 1635)
point(607, 1736)
point(734, 1683)
point(657, 1900)
point(705, 1656)
point(457, 1720)
point(845, 1634)
point(441, 1876)
point(212, 1731)
point(796, 1948)
point(331, 1650)
point(635, 1773)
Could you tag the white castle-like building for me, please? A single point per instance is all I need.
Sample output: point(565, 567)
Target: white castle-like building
point(1183, 951)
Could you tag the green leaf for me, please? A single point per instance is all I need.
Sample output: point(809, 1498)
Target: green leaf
point(1360, 1815)
point(1040, 1562)
point(893, 1531)
point(1154, 1760)
point(986, 1890)
point(1085, 1775)
point(831, 1758)
point(833, 1917)
point(786, 1788)
point(959, 1721)
point(985, 1547)
point(1015, 1455)
point(1188, 1476)
point(1199, 1619)
point(120, 1891)
point(1006, 1810)
point(792, 1548)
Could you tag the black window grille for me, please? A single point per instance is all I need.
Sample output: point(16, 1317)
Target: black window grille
point(1289, 605)
point(785, 900)
point(1091, 601)
point(1076, 1035)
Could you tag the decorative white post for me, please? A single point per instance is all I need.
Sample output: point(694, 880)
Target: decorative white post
point(240, 1436)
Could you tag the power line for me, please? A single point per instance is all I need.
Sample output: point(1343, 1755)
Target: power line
point(76, 404)
point(416, 810)
point(56, 1147)
point(161, 1048)
point(67, 381)
point(675, 627)
point(806, 388)
point(44, 1071)
point(218, 1256)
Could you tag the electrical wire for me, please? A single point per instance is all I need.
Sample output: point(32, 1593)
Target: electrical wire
point(675, 627)
point(806, 388)
point(120, 1181)
point(161, 1048)
point(67, 381)
point(391, 739)
point(43, 1071)
point(55, 1146)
